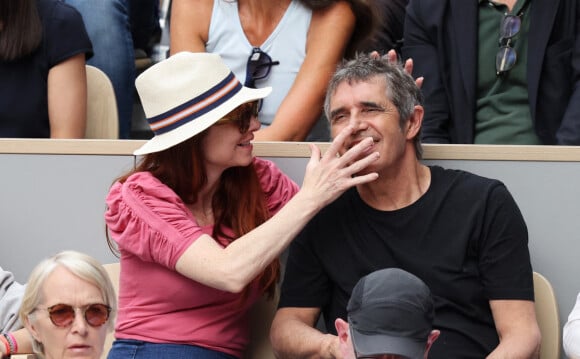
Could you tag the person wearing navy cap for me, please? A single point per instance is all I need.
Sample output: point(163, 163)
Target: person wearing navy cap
point(390, 315)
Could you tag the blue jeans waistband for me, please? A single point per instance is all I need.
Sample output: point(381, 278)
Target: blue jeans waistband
point(137, 349)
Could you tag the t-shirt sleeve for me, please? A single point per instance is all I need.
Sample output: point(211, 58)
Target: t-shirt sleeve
point(277, 187)
point(65, 34)
point(305, 284)
point(147, 219)
point(504, 259)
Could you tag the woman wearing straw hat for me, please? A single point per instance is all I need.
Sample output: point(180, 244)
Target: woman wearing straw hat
point(292, 45)
point(200, 222)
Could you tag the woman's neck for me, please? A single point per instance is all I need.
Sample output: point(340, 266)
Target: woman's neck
point(259, 18)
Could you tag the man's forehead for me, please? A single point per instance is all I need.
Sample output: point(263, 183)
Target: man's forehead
point(358, 98)
point(375, 80)
point(375, 85)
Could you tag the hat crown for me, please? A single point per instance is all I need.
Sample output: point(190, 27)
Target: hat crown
point(187, 93)
point(178, 79)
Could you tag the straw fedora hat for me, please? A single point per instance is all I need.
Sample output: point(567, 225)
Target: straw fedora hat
point(187, 93)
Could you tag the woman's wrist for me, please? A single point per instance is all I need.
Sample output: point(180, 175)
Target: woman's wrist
point(9, 345)
point(4, 347)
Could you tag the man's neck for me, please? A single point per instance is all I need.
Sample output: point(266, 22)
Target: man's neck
point(392, 192)
point(509, 3)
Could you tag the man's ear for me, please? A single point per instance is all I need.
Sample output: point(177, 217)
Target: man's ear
point(341, 329)
point(415, 121)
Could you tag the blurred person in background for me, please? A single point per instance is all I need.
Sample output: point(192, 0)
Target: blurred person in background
point(43, 52)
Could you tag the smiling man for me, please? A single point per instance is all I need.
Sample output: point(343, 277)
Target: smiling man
point(460, 233)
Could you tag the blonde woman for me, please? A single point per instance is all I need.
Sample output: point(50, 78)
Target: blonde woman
point(68, 306)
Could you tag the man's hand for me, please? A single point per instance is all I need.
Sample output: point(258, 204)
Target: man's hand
point(332, 347)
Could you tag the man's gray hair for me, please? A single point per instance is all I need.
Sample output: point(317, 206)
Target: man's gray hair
point(401, 89)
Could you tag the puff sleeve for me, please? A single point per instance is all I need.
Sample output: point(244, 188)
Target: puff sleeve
point(147, 219)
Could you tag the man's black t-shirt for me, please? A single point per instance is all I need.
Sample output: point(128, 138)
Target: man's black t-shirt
point(465, 238)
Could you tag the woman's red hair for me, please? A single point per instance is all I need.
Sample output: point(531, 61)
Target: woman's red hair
point(239, 202)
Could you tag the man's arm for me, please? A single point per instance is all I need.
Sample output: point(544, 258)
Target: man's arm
point(519, 334)
point(293, 335)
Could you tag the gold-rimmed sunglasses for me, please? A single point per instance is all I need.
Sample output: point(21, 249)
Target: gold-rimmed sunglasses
point(63, 315)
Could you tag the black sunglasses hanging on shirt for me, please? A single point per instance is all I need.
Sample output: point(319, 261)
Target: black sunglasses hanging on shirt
point(258, 68)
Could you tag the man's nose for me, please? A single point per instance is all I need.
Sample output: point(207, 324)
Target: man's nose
point(357, 121)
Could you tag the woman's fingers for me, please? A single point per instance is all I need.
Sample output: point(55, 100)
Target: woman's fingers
point(392, 57)
point(362, 148)
point(331, 174)
point(338, 143)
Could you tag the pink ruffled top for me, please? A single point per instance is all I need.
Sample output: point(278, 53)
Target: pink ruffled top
point(152, 228)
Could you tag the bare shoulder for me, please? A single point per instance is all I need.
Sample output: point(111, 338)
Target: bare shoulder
point(339, 10)
point(190, 20)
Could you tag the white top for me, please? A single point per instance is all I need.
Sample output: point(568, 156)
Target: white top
point(572, 331)
point(286, 44)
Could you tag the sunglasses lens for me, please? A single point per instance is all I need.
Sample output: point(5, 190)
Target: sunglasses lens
point(61, 315)
point(257, 107)
point(250, 111)
point(97, 314)
point(258, 67)
point(510, 26)
point(505, 59)
point(243, 115)
point(262, 69)
point(506, 55)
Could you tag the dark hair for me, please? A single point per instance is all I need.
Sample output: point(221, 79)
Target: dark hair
point(367, 21)
point(389, 31)
point(401, 89)
point(20, 29)
point(239, 202)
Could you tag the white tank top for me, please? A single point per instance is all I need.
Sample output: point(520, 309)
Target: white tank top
point(286, 44)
